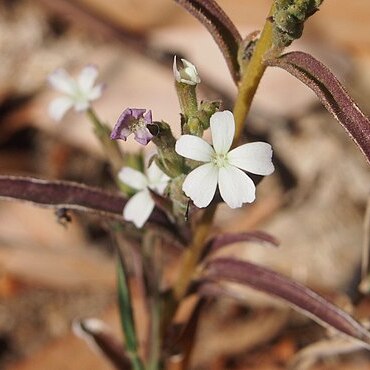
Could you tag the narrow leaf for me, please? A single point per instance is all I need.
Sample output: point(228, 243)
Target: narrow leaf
point(126, 314)
point(225, 240)
point(222, 29)
point(297, 295)
point(69, 195)
point(97, 334)
point(331, 94)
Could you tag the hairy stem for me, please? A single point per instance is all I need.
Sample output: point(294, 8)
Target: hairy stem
point(251, 78)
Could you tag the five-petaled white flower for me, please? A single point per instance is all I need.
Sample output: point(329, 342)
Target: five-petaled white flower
point(222, 165)
point(140, 206)
point(188, 74)
point(78, 93)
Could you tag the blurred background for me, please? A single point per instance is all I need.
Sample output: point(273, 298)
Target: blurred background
point(314, 203)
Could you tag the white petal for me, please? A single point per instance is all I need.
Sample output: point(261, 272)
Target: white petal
point(95, 92)
point(223, 129)
point(189, 73)
point(253, 157)
point(176, 73)
point(235, 187)
point(60, 80)
point(200, 185)
point(133, 178)
point(81, 105)
point(157, 178)
point(59, 106)
point(87, 78)
point(138, 208)
point(193, 147)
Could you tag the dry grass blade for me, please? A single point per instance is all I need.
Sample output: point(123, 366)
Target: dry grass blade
point(69, 195)
point(297, 295)
point(331, 93)
point(222, 29)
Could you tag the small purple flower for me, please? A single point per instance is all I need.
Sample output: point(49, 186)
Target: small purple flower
point(133, 120)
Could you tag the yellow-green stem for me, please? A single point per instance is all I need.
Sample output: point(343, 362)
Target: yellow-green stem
point(251, 78)
point(192, 254)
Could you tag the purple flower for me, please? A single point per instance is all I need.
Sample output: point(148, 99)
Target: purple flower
point(133, 121)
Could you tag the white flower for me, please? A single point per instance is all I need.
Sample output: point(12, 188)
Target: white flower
point(78, 93)
point(188, 74)
point(222, 165)
point(140, 206)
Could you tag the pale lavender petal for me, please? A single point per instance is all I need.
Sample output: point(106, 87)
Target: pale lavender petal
point(60, 80)
point(137, 112)
point(253, 157)
point(133, 178)
point(59, 107)
point(87, 77)
point(138, 208)
point(235, 187)
point(200, 184)
point(193, 147)
point(222, 129)
point(143, 135)
point(133, 121)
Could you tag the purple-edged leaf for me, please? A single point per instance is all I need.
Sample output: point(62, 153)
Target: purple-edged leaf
point(69, 195)
point(331, 93)
point(97, 334)
point(225, 240)
point(223, 30)
point(297, 295)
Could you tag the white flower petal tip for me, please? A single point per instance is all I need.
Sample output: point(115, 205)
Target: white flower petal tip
point(188, 74)
point(223, 129)
point(59, 107)
point(80, 91)
point(253, 157)
point(200, 185)
point(193, 147)
point(223, 167)
point(140, 206)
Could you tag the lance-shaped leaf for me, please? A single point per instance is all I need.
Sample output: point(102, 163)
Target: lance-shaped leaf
point(222, 29)
point(98, 336)
point(225, 240)
point(331, 93)
point(69, 195)
point(126, 313)
point(295, 294)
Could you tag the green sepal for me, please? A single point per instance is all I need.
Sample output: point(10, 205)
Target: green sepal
point(179, 199)
point(167, 159)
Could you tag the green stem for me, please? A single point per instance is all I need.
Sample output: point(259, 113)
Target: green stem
point(187, 98)
point(110, 147)
point(126, 314)
point(251, 78)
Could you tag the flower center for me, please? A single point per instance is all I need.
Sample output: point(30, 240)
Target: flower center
point(220, 160)
point(138, 124)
